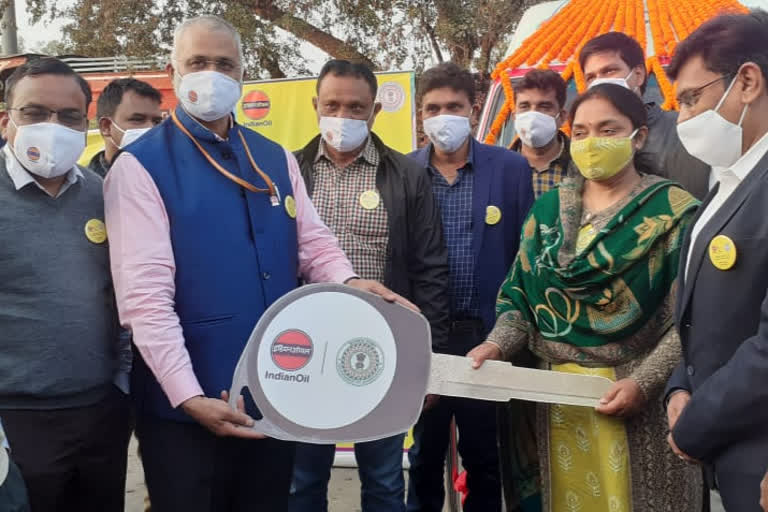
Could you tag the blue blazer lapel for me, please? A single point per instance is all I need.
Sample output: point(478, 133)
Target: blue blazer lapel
point(480, 195)
point(422, 155)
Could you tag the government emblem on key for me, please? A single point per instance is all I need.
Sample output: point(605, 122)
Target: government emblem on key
point(328, 363)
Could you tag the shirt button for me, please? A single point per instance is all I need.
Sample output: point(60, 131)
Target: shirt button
point(690, 370)
point(266, 275)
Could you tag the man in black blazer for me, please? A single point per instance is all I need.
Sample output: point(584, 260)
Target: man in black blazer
point(718, 396)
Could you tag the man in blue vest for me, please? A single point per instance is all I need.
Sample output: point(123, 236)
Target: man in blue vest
point(209, 224)
point(484, 193)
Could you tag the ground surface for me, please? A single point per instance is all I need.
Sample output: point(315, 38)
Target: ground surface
point(343, 491)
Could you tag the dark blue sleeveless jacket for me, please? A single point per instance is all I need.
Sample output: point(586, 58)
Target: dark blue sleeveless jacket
point(235, 253)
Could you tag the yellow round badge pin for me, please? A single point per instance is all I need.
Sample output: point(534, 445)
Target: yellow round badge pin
point(369, 199)
point(492, 215)
point(722, 252)
point(290, 206)
point(96, 231)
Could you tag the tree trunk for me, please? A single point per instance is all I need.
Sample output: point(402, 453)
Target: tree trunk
point(487, 44)
point(330, 44)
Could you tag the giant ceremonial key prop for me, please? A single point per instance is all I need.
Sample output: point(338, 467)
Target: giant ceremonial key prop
point(328, 363)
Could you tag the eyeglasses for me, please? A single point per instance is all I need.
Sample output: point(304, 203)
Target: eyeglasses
point(221, 64)
point(689, 98)
point(69, 117)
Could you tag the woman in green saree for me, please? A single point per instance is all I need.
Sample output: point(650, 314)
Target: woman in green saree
point(592, 292)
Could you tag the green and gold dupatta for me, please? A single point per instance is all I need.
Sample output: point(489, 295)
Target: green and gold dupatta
point(608, 290)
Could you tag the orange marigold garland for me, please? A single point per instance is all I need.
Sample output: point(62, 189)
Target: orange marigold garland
point(640, 23)
point(629, 24)
point(561, 38)
point(581, 38)
point(666, 28)
point(670, 101)
point(618, 25)
point(653, 14)
point(610, 16)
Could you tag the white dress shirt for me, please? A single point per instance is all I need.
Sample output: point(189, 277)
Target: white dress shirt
point(729, 179)
point(22, 177)
point(714, 176)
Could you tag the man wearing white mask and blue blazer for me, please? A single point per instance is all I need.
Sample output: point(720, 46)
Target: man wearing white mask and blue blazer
point(484, 193)
point(209, 224)
point(717, 398)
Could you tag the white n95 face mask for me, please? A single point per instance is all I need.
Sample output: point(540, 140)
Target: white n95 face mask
point(129, 135)
point(535, 129)
point(48, 150)
point(712, 138)
point(623, 82)
point(343, 134)
point(447, 132)
point(208, 95)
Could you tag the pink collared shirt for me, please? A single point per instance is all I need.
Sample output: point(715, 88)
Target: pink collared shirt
point(143, 267)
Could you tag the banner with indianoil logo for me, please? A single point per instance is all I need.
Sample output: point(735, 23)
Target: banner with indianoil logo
point(281, 110)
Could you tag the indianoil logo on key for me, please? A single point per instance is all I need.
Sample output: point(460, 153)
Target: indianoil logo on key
point(292, 350)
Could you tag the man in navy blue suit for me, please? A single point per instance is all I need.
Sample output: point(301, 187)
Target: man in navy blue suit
point(484, 193)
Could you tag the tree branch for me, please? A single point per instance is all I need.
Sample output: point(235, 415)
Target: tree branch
point(272, 65)
point(333, 46)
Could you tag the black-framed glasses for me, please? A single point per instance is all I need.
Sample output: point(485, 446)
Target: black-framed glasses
point(69, 117)
point(689, 98)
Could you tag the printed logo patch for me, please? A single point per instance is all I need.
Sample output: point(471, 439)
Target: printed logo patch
point(360, 361)
point(256, 105)
point(292, 350)
point(33, 154)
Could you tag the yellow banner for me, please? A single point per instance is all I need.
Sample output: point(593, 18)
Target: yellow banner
point(281, 110)
point(342, 447)
point(94, 144)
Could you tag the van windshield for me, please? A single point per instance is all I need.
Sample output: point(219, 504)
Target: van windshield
point(507, 135)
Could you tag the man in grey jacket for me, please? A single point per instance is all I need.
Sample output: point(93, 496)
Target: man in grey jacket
point(617, 58)
point(67, 420)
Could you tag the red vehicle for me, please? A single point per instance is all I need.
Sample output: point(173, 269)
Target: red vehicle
point(98, 72)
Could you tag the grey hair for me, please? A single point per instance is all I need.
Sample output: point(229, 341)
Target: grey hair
point(212, 23)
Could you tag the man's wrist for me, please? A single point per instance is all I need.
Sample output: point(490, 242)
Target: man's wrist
point(498, 347)
point(190, 401)
point(674, 392)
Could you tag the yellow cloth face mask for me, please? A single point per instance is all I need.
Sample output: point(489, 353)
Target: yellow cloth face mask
point(600, 158)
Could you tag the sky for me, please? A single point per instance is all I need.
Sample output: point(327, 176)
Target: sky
point(40, 33)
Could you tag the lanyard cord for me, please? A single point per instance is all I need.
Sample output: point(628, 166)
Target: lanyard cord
point(271, 189)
